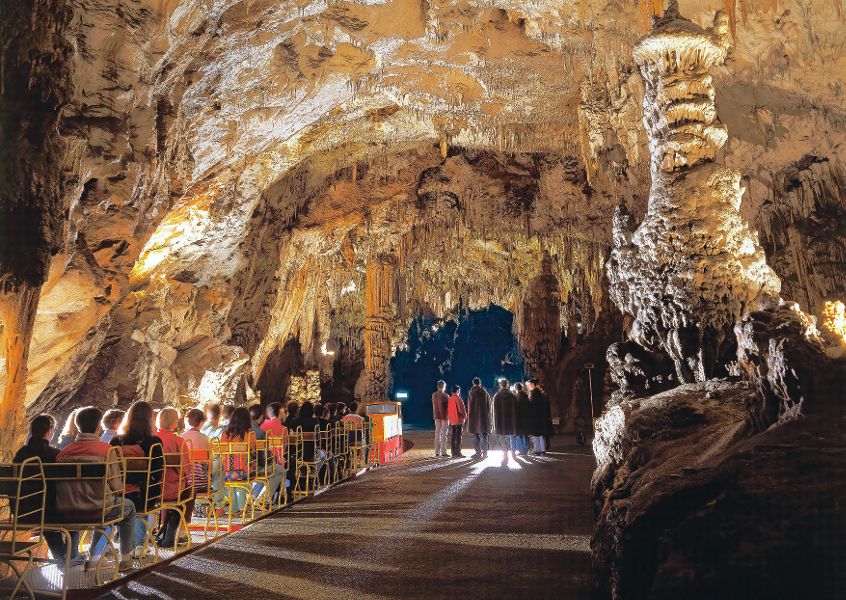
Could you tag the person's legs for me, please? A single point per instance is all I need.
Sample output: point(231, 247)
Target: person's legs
point(477, 441)
point(56, 543)
point(484, 444)
point(438, 437)
point(125, 531)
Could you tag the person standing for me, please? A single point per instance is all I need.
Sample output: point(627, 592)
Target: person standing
point(440, 403)
point(505, 407)
point(546, 417)
point(478, 417)
point(521, 419)
point(456, 414)
point(537, 413)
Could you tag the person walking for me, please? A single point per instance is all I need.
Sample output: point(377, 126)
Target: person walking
point(522, 419)
point(456, 413)
point(505, 407)
point(440, 402)
point(537, 411)
point(478, 417)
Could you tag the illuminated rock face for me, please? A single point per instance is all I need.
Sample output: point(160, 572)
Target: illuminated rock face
point(215, 174)
point(693, 265)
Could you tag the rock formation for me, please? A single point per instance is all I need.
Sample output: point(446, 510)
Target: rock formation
point(693, 265)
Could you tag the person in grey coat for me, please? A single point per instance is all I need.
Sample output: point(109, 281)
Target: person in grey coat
point(478, 417)
point(505, 416)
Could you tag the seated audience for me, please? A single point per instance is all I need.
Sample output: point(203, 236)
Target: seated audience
point(291, 412)
point(110, 424)
point(226, 415)
point(82, 501)
point(176, 478)
point(256, 420)
point(41, 431)
point(137, 438)
point(213, 428)
point(69, 431)
point(273, 423)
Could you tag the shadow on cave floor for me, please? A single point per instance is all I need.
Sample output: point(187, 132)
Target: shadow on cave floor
point(419, 528)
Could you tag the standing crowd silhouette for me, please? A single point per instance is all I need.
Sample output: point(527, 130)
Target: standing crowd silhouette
point(519, 419)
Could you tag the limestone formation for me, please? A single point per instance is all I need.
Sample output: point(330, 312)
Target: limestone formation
point(693, 265)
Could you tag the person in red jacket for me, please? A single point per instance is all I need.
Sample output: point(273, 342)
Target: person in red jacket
point(456, 414)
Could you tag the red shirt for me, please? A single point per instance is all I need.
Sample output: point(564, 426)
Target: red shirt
point(175, 481)
point(455, 410)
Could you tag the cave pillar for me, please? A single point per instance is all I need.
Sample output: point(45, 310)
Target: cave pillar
point(693, 266)
point(540, 321)
point(17, 317)
point(380, 317)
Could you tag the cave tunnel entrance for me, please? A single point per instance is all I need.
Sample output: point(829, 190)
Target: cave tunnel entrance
point(476, 343)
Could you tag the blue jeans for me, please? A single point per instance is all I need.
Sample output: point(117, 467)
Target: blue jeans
point(522, 444)
point(480, 442)
point(127, 539)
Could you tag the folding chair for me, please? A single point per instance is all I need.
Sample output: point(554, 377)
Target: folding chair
point(308, 464)
point(178, 463)
point(238, 475)
point(204, 473)
point(23, 495)
point(149, 471)
point(109, 477)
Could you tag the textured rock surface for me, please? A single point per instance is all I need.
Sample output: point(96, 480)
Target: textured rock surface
point(229, 167)
point(690, 505)
point(692, 266)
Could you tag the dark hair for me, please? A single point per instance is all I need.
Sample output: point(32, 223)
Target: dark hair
point(88, 419)
point(239, 423)
point(293, 409)
point(274, 409)
point(342, 409)
point(195, 416)
point(533, 381)
point(353, 407)
point(227, 411)
point(214, 409)
point(456, 389)
point(503, 383)
point(112, 418)
point(306, 410)
point(138, 423)
point(41, 426)
point(477, 381)
point(518, 386)
point(256, 411)
point(441, 384)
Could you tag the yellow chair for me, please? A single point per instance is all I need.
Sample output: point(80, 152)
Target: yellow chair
point(23, 495)
point(148, 471)
point(238, 475)
point(355, 430)
point(205, 472)
point(179, 463)
point(277, 449)
point(109, 477)
point(308, 464)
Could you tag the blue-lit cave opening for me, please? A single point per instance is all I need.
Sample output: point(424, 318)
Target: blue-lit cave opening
point(475, 343)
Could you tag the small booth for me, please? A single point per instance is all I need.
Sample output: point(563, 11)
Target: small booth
point(386, 418)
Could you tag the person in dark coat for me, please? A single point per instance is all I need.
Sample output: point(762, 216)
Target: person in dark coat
point(537, 416)
point(521, 428)
point(505, 416)
point(40, 433)
point(440, 403)
point(478, 417)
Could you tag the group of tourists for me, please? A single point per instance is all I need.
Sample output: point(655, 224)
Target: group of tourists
point(143, 431)
point(520, 419)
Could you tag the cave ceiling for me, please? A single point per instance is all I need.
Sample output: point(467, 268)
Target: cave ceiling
point(232, 170)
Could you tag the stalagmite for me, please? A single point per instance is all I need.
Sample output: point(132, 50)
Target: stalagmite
point(693, 265)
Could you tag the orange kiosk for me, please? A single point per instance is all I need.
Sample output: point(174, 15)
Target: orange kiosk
point(386, 418)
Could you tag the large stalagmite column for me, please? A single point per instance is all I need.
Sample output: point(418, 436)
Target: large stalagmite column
point(380, 315)
point(692, 266)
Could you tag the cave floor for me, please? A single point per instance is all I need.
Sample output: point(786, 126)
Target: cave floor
point(422, 527)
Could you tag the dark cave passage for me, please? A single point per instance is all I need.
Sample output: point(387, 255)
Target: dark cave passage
point(477, 343)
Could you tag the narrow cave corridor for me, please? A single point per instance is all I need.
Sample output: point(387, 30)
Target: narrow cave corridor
point(241, 241)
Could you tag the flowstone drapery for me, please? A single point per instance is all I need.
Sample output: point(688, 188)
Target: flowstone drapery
point(693, 265)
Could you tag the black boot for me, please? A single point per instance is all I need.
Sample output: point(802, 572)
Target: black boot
point(171, 526)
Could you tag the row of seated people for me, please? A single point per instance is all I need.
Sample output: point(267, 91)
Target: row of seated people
point(135, 434)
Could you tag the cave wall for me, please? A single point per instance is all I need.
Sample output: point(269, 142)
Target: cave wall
point(226, 169)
